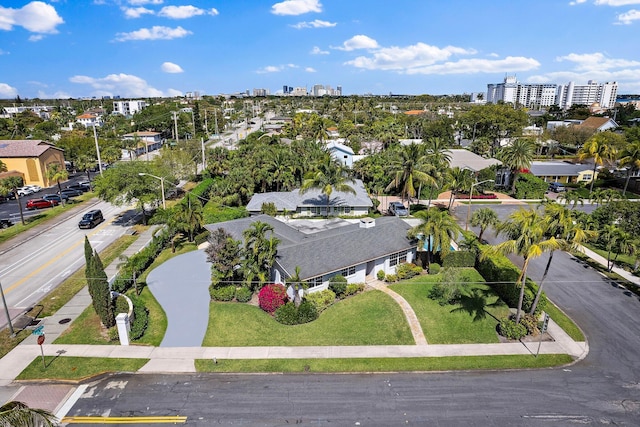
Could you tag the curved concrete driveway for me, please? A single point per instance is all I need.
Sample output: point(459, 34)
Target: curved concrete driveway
point(181, 286)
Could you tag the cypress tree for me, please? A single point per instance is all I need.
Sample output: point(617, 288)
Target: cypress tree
point(102, 301)
point(89, 266)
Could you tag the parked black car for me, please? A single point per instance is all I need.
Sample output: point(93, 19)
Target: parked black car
point(5, 223)
point(91, 219)
point(70, 192)
point(78, 187)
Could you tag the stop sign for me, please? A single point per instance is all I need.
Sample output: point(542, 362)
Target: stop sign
point(40, 339)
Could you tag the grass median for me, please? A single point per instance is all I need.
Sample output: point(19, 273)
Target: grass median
point(77, 368)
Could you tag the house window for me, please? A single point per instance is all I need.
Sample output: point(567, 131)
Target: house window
point(587, 177)
point(349, 271)
point(394, 259)
point(316, 281)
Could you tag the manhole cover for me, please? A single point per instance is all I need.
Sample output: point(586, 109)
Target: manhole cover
point(65, 320)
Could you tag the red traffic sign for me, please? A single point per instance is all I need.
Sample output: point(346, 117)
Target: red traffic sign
point(40, 339)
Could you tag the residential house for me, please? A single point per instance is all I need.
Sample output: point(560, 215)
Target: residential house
point(342, 153)
point(465, 159)
point(147, 141)
point(89, 120)
point(30, 159)
point(356, 251)
point(314, 203)
point(598, 124)
point(563, 172)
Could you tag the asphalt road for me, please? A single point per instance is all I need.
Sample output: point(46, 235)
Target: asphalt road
point(602, 389)
point(31, 266)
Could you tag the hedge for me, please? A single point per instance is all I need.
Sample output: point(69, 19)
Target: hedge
point(459, 259)
point(288, 314)
point(222, 293)
point(501, 274)
point(140, 318)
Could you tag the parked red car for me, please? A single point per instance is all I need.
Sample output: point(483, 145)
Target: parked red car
point(41, 203)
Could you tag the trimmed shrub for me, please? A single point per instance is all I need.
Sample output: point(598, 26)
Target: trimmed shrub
point(338, 284)
point(380, 275)
point(459, 259)
point(112, 333)
point(354, 288)
point(140, 318)
point(434, 268)
point(445, 293)
point(271, 297)
point(222, 293)
point(321, 300)
point(243, 294)
point(201, 238)
point(391, 278)
point(508, 328)
point(531, 323)
point(288, 314)
point(407, 271)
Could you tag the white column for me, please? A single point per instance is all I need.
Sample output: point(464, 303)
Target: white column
point(122, 322)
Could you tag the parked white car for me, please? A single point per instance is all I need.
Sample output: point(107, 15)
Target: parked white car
point(34, 187)
point(24, 191)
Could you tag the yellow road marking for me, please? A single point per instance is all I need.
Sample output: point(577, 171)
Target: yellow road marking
point(51, 261)
point(170, 419)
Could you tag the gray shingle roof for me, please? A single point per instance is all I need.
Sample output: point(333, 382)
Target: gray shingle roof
point(558, 168)
point(329, 250)
point(293, 199)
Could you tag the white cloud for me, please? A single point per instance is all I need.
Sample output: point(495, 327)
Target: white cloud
point(141, 2)
point(56, 95)
point(296, 7)
point(170, 67)
point(3, 52)
point(275, 68)
point(7, 91)
point(136, 12)
point(154, 33)
point(121, 84)
point(184, 12)
point(36, 37)
point(405, 58)
point(310, 70)
point(478, 65)
point(174, 92)
point(358, 42)
point(596, 61)
point(36, 17)
point(628, 17)
point(317, 51)
point(314, 24)
point(617, 2)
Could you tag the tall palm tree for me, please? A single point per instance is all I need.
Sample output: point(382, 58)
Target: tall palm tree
point(259, 252)
point(568, 232)
point(527, 236)
point(571, 198)
point(458, 180)
point(408, 172)
point(517, 157)
point(630, 158)
point(609, 234)
point(3, 166)
point(188, 217)
point(57, 173)
point(17, 414)
point(484, 218)
point(328, 177)
point(601, 148)
point(437, 230)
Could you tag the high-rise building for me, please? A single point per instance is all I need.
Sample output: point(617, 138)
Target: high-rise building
point(547, 94)
point(128, 108)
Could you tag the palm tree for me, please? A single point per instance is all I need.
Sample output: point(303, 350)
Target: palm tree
point(259, 252)
point(329, 176)
point(57, 172)
point(517, 157)
point(188, 217)
point(568, 232)
point(484, 218)
point(527, 237)
point(609, 234)
point(3, 166)
point(407, 167)
point(437, 229)
point(601, 148)
point(572, 198)
point(458, 180)
point(630, 158)
point(17, 414)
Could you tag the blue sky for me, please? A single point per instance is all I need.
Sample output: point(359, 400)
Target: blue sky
point(139, 48)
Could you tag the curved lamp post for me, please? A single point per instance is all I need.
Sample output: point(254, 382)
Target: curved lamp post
point(466, 224)
point(164, 205)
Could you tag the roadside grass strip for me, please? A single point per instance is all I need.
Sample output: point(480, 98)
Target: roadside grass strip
point(169, 419)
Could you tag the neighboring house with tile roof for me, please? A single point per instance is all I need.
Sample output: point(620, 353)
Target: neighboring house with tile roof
point(314, 203)
point(89, 120)
point(564, 172)
point(356, 251)
point(30, 158)
point(598, 124)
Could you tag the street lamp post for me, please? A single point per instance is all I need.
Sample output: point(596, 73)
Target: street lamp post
point(6, 311)
point(466, 224)
point(164, 205)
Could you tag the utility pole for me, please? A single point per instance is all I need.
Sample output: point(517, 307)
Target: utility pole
point(95, 136)
point(6, 311)
point(206, 127)
point(204, 165)
point(175, 121)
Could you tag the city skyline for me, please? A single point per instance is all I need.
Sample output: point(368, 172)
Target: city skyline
point(157, 48)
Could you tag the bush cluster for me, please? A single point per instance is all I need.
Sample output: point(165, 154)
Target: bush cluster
point(445, 293)
point(391, 278)
point(140, 318)
point(407, 270)
point(354, 288)
point(271, 297)
point(502, 274)
point(321, 300)
point(508, 328)
point(201, 238)
point(434, 268)
point(459, 259)
point(289, 314)
point(243, 294)
point(222, 293)
point(380, 275)
point(338, 284)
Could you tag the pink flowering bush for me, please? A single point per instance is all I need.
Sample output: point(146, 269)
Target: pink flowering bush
point(271, 297)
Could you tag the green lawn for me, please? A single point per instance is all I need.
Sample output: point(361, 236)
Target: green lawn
point(77, 368)
point(454, 324)
point(370, 318)
point(411, 364)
